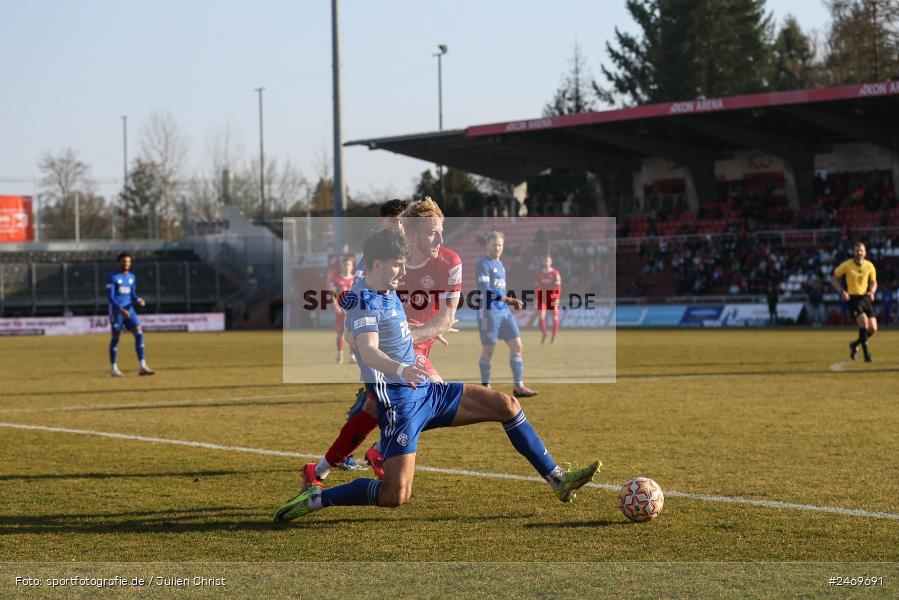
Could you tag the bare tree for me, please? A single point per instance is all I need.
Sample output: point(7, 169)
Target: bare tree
point(285, 184)
point(164, 145)
point(66, 183)
point(224, 151)
point(64, 173)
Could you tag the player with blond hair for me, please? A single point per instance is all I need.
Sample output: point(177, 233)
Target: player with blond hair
point(495, 320)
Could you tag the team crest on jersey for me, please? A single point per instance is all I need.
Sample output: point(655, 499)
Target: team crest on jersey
point(402, 439)
point(427, 282)
point(455, 275)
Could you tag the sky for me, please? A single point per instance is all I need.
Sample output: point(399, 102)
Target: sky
point(70, 70)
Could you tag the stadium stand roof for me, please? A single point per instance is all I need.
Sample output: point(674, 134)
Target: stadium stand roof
point(794, 125)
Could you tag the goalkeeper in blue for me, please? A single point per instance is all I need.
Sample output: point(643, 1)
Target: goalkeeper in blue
point(121, 291)
point(408, 402)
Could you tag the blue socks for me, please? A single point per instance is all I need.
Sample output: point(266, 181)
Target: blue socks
point(114, 349)
point(139, 344)
point(359, 492)
point(528, 443)
point(484, 364)
point(516, 362)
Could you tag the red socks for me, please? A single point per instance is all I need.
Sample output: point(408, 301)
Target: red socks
point(555, 328)
point(351, 436)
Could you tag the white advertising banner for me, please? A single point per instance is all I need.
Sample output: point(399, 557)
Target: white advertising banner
point(100, 324)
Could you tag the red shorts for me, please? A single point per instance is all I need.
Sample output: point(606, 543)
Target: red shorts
point(548, 300)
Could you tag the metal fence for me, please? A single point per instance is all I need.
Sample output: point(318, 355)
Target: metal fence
point(78, 288)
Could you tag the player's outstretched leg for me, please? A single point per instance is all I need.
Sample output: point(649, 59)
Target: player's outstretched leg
point(480, 404)
point(114, 356)
point(395, 490)
point(360, 423)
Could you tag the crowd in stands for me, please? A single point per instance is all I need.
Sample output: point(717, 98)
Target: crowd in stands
point(864, 199)
point(745, 264)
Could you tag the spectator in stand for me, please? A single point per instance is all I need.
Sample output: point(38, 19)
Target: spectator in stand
point(887, 296)
point(773, 295)
point(816, 312)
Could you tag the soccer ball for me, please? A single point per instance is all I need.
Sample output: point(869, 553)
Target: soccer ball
point(641, 499)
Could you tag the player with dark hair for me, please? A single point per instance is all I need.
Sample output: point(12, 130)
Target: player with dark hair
point(495, 320)
point(861, 286)
point(409, 403)
point(121, 291)
point(358, 424)
point(548, 287)
point(430, 289)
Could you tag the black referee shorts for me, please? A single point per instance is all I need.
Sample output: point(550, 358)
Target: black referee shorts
point(860, 305)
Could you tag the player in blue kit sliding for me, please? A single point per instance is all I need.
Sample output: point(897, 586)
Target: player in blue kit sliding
point(408, 403)
point(121, 290)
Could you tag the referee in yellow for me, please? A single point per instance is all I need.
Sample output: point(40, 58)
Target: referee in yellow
point(861, 285)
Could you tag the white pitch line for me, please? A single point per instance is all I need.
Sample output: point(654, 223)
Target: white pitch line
point(851, 512)
point(163, 404)
point(840, 366)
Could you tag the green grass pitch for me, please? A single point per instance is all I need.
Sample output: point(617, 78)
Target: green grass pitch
point(763, 415)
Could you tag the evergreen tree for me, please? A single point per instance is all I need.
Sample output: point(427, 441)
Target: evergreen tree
point(577, 91)
point(141, 197)
point(690, 49)
point(863, 41)
point(793, 58)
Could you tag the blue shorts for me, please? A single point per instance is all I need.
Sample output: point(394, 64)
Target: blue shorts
point(425, 407)
point(118, 321)
point(497, 325)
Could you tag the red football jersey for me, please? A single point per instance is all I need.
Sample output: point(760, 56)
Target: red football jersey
point(427, 285)
point(340, 284)
point(549, 280)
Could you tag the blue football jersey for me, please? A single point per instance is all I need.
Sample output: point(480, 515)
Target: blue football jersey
point(491, 276)
point(368, 311)
point(121, 289)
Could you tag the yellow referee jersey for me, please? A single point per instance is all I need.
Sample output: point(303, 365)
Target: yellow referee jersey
point(857, 276)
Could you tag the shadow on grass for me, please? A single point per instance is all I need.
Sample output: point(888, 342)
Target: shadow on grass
point(143, 390)
point(192, 475)
point(204, 520)
point(227, 518)
point(697, 374)
point(600, 523)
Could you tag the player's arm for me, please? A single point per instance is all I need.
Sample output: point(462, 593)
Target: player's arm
point(837, 282)
point(335, 295)
point(440, 324)
point(135, 299)
point(367, 346)
point(872, 284)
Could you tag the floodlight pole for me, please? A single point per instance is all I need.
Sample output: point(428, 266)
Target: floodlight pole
point(443, 50)
point(124, 176)
point(338, 187)
point(261, 161)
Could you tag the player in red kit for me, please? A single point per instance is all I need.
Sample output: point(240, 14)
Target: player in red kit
point(430, 291)
point(341, 283)
point(549, 292)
